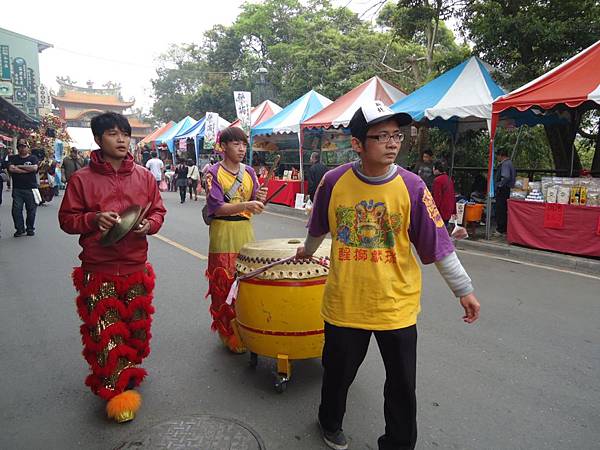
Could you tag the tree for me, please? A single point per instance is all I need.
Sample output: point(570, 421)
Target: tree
point(526, 38)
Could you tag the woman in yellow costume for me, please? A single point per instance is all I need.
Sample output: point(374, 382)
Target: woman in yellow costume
point(233, 196)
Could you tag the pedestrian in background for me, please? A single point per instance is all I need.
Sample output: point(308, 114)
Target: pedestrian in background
point(115, 282)
point(315, 174)
point(156, 166)
point(443, 191)
point(506, 176)
point(71, 164)
point(192, 178)
point(23, 169)
point(424, 168)
point(181, 179)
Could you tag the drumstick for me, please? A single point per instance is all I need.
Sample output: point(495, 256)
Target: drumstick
point(271, 171)
point(279, 189)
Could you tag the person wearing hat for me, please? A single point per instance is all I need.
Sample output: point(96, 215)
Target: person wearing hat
point(23, 168)
point(376, 212)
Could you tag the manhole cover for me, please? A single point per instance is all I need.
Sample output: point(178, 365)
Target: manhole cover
point(199, 432)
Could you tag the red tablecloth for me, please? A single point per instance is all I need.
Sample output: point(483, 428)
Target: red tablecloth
point(578, 234)
point(288, 195)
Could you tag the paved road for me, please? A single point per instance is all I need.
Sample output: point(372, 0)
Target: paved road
point(524, 377)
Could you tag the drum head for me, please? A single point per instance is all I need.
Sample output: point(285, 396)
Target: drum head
point(255, 255)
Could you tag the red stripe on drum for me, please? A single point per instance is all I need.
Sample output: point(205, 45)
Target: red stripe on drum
point(281, 333)
point(285, 283)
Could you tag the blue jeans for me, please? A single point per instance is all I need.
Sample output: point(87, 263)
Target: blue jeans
point(23, 197)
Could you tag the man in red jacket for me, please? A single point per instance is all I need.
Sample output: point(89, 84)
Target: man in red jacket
point(443, 191)
point(114, 283)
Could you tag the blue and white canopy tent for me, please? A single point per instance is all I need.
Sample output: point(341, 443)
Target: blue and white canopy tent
point(282, 131)
point(168, 137)
point(196, 132)
point(459, 100)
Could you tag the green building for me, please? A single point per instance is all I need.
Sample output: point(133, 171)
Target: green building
point(20, 71)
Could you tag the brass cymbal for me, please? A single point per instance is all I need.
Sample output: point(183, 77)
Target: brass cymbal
point(129, 218)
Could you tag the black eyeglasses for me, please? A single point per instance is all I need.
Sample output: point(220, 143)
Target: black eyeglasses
point(384, 138)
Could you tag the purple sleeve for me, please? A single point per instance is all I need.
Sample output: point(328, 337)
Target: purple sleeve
point(215, 197)
point(427, 231)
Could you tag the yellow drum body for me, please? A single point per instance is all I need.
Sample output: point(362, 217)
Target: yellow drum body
point(277, 317)
point(278, 313)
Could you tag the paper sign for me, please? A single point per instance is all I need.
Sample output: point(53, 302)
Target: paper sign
point(210, 130)
point(299, 204)
point(554, 216)
point(242, 107)
point(460, 213)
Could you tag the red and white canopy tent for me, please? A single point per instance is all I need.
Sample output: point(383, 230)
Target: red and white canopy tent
point(332, 121)
point(339, 113)
point(260, 113)
point(574, 84)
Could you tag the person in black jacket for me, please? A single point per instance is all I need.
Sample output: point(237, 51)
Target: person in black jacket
point(315, 173)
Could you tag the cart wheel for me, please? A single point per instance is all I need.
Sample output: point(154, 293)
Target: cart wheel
point(281, 382)
point(253, 360)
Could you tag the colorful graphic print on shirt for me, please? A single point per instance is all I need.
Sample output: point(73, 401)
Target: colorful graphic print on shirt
point(432, 209)
point(368, 224)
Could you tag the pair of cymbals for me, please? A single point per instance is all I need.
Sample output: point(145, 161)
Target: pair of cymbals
point(131, 218)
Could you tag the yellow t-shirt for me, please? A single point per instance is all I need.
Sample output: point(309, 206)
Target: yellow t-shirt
point(374, 280)
point(219, 182)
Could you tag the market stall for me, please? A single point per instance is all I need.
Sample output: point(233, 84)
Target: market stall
point(196, 134)
point(281, 135)
point(168, 137)
point(287, 196)
point(328, 129)
point(150, 139)
point(560, 228)
point(557, 218)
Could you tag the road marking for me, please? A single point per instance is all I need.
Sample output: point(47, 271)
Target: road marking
point(286, 217)
point(539, 266)
point(181, 247)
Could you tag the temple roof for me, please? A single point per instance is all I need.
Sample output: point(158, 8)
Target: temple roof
point(137, 123)
point(91, 99)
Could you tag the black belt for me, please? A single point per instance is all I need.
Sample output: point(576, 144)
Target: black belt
point(231, 218)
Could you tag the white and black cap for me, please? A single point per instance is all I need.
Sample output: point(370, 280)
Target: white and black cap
point(374, 112)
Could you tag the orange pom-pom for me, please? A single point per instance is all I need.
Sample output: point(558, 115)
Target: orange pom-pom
point(123, 406)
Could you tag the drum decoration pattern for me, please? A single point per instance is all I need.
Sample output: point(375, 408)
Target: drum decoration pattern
point(278, 312)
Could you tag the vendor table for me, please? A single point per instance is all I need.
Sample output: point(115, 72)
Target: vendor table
point(288, 195)
point(561, 228)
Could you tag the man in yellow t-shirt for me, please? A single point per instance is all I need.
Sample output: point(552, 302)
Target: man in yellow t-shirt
point(374, 211)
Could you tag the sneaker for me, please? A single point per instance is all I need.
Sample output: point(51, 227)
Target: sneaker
point(19, 233)
point(30, 233)
point(335, 440)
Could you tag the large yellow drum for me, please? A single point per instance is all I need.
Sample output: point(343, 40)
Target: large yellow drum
point(278, 313)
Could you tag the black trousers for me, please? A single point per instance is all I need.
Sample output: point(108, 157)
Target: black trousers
point(344, 352)
point(502, 197)
point(182, 192)
point(23, 197)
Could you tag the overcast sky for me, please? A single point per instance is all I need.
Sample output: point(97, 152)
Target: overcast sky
point(118, 40)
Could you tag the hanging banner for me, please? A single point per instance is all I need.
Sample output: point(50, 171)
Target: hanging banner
point(210, 130)
point(5, 62)
point(242, 107)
